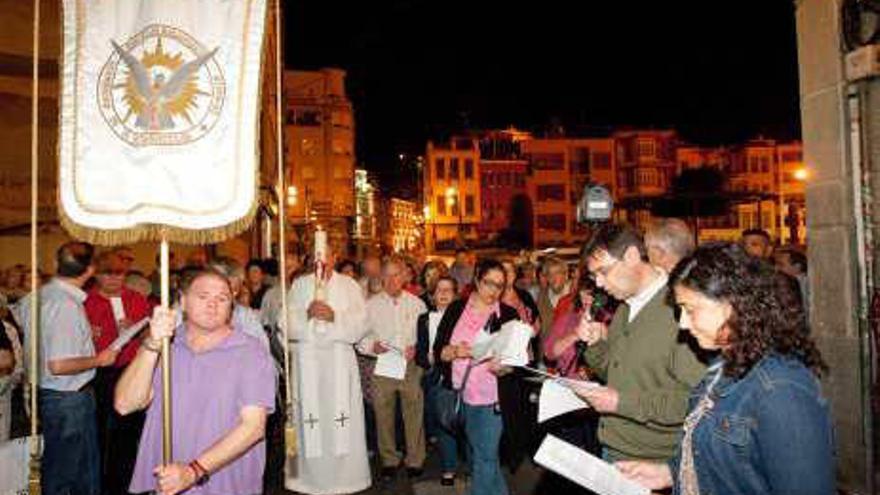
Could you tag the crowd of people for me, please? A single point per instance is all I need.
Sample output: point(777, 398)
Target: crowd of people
point(706, 373)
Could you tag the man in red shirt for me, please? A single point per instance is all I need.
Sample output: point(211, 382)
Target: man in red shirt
point(111, 308)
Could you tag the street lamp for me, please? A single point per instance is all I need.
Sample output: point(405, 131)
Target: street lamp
point(801, 174)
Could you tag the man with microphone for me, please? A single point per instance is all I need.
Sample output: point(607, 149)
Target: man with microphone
point(648, 369)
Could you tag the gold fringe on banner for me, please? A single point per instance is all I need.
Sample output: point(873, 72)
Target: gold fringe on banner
point(154, 232)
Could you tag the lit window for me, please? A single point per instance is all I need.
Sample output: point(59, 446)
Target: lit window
point(646, 148)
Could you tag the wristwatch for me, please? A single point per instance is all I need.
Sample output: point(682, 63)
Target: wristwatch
point(202, 475)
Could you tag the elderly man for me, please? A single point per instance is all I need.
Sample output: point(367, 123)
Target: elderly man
point(332, 446)
point(668, 240)
point(67, 369)
point(558, 285)
point(111, 308)
point(222, 389)
point(392, 318)
point(649, 371)
point(371, 272)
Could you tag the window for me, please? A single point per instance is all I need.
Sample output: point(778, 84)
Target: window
point(304, 117)
point(646, 148)
point(308, 147)
point(602, 160)
point(548, 161)
point(765, 164)
point(647, 177)
point(341, 146)
point(484, 179)
point(441, 204)
point(551, 192)
point(520, 180)
point(440, 166)
point(469, 204)
point(468, 168)
point(453, 169)
point(580, 160)
point(552, 222)
point(753, 164)
point(454, 209)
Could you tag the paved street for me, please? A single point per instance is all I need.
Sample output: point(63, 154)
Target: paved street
point(525, 481)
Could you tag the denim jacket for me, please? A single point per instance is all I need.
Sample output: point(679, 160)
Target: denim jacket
point(768, 433)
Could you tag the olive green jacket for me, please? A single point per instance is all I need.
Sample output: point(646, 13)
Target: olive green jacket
point(653, 369)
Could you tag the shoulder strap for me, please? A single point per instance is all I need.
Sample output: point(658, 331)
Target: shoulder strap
point(467, 374)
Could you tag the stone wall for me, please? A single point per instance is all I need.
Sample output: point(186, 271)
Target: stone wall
point(833, 238)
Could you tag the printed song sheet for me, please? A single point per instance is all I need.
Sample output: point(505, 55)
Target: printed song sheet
point(584, 469)
point(391, 364)
point(510, 344)
point(557, 399)
point(128, 333)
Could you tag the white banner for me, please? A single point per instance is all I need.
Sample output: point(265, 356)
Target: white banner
point(159, 118)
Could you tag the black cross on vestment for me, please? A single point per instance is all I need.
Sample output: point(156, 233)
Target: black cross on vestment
point(311, 421)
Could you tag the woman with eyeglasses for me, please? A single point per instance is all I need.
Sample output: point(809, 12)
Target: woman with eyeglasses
point(758, 422)
point(463, 321)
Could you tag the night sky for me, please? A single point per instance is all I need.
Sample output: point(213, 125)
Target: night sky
point(719, 72)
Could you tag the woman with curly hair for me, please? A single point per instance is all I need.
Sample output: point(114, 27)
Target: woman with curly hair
point(757, 423)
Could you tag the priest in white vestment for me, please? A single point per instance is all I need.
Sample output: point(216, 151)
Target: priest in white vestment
point(332, 450)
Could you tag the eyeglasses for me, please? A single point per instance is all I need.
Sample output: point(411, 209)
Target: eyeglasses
point(604, 270)
point(491, 284)
point(113, 273)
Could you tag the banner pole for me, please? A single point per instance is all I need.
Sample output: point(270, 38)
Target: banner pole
point(290, 438)
point(34, 482)
point(166, 354)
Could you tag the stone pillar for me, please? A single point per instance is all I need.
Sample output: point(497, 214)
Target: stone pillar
point(836, 276)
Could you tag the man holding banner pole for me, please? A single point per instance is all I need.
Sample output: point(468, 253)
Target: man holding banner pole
point(219, 410)
point(159, 128)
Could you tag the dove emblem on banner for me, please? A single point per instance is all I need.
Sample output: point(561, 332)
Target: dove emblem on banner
point(161, 88)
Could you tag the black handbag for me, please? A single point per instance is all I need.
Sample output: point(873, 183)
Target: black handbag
point(450, 405)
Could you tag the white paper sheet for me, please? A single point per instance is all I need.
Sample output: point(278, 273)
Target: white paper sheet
point(118, 308)
point(128, 333)
point(584, 469)
point(510, 344)
point(557, 399)
point(391, 364)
